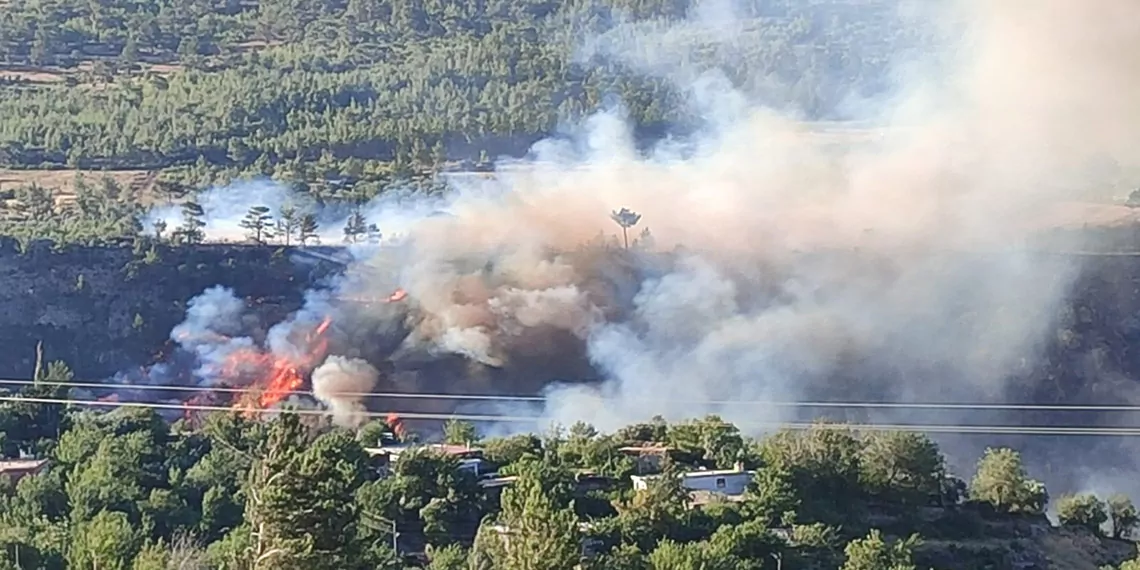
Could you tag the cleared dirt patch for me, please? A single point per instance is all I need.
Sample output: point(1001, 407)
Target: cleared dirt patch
point(82, 73)
point(161, 68)
point(63, 181)
point(42, 76)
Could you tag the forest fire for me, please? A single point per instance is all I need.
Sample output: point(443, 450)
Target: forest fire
point(279, 375)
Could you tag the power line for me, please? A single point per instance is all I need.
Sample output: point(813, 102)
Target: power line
point(540, 399)
point(501, 418)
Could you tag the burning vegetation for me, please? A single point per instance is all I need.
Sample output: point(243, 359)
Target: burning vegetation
point(277, 376)
point(253, 375)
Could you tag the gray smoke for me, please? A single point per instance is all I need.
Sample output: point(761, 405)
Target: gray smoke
point(336, 384)
point(787, 262)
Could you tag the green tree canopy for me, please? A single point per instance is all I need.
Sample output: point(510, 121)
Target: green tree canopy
point(1085, 511)
point(1001, 481)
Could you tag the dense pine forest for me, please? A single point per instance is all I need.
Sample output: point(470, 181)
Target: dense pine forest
point(129, 490)
point(318, 90)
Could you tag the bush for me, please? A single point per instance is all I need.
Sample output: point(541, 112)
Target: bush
point(1082, 511)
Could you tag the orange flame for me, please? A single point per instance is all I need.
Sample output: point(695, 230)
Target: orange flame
point(396, 425)
point(397, 296)
point(279, 375)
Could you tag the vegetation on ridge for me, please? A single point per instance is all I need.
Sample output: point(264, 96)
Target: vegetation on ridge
point(342, 97)
point(127, 490)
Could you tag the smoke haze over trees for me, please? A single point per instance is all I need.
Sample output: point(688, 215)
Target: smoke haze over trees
point(766, 263)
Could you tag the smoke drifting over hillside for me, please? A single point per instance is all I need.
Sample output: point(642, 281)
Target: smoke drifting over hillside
point(783, 265)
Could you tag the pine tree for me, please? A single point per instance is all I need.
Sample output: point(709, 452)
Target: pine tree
point(625, 218)
point(874, 553)
point(355, 228)
point(269, 502)
point(438, 155)
point(193, 220)
point(301, 499)
point(258, 224)
point(188, 50)
point(130, 54)
point(307, 229)
point(288, 223)
point(538, 533)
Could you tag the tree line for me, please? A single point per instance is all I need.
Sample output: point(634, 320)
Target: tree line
point(128, 489)
point(313, 90)
point(105, 212)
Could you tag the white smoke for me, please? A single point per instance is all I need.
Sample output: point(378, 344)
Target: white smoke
point(337, 384)
point(211, 331)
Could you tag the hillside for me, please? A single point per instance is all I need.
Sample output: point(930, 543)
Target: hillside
point(312, 90)
point(246, 323)
point(107, 310)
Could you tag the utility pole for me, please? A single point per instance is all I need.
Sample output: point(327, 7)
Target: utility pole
point(779, 560)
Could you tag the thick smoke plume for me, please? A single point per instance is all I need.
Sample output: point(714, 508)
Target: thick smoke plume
point(337, 384)
point(213, 331)
point(782, 264)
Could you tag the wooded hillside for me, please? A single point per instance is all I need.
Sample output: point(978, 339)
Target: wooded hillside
point(324, 89)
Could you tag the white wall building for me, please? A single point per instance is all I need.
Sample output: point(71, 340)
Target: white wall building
point(725, 482)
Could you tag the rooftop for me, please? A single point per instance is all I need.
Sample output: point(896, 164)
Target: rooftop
point(453, 449)
point(8, 465)
point(444, 448)
point(501, 528)
point(646, 448)
point(497, 482)
point(705, 473)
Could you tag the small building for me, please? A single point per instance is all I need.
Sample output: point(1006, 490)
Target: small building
point(648, 458)
point(584, 483)
point(470, 458)
point(493, 487)
point(728, 482)
point(587, 481)
point(476, 466)
point(393, 452)
point(16, 469)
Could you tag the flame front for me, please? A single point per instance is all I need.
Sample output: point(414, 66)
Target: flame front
point(277, 376)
